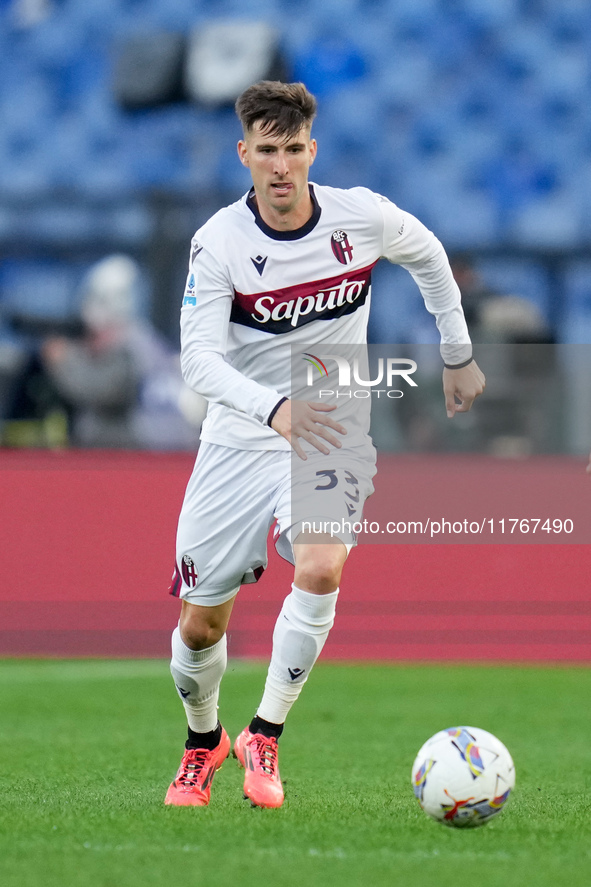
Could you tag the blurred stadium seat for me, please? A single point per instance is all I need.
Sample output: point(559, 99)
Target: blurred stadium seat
point(224, 57)
point(149, 70)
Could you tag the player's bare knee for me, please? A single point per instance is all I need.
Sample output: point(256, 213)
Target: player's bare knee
point(201, 637)
point(197, 633)
point(319, 568)
point(315, 583)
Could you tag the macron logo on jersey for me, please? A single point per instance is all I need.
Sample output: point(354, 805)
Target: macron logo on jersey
point(282, 310)
point(259, 263)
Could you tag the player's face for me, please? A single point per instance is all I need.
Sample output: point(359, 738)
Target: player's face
point(279, 169)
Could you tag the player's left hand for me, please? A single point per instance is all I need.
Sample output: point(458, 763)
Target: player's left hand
point(461, 388)
point(309, 421)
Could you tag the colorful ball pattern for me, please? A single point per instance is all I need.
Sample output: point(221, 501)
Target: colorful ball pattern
point(463, 776)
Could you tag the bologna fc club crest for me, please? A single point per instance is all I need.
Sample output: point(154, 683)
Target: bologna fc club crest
point(341, 247)
point(189, 572)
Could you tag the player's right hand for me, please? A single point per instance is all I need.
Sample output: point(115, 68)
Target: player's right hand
point(461, 387)
point(309, 421)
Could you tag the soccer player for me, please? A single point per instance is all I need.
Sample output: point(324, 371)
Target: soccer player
point(287, 265)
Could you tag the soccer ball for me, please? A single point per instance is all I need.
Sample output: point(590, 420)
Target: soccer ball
point(463, 776)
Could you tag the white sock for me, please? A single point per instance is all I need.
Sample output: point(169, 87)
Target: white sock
point(197, 675)
point(300, 632)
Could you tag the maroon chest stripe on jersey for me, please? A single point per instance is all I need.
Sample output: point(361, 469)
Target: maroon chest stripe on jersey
point(283, 310)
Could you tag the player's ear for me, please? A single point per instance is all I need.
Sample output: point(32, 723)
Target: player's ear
point(243, 153)
point(313, 149)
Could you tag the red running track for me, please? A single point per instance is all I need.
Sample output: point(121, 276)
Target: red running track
point(87, 555)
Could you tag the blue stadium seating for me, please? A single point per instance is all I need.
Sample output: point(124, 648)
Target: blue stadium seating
point(474, 114)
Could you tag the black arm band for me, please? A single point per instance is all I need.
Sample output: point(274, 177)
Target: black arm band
point(458, 366)
point(274, 410)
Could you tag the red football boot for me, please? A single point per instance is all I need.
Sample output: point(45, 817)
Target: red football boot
point(191, 786)
point(258, 755)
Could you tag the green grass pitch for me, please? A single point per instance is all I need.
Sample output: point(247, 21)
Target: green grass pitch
point(87, 749)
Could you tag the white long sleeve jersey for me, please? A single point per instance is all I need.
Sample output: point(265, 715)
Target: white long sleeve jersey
point(253, 292)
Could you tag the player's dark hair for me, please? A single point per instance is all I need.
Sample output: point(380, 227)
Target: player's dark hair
point(281, 108)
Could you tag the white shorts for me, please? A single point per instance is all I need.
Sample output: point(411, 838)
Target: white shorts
point(234, 496)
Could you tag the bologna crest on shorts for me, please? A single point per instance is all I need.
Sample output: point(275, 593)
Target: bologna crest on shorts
point(189, 572)
point(341, 247)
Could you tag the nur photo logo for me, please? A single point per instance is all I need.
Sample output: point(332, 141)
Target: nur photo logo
point(356, 372)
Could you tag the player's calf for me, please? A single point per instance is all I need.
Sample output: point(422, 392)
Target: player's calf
point(319, 562)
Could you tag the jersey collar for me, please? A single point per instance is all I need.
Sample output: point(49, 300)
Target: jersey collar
point(297, 233)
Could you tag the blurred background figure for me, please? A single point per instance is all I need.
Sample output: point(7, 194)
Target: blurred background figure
point(97, 376)
point(493, 316)
point(121, 381)
point(107, 378)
